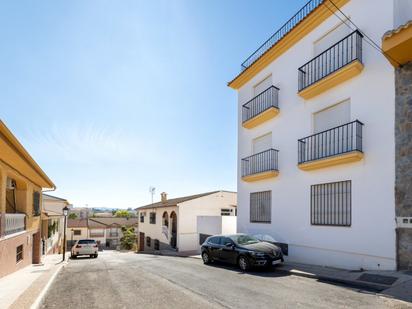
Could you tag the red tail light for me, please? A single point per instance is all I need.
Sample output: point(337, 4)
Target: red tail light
point(78, 246)
point(95, 246)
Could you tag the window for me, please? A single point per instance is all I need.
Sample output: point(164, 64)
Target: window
point(36, 203)
point(148, 241)
point(142, 217)
point(330, 38)
point(331, 117)
point(225, 240)
point(77, 232)
point(96, 232)
point(331, 203)
point(156, 244)
point(214, 240)
point(263, 85)
point(260, 207)
point(19, 253)
point(226, 212)
point(87, 241)
point(152, 218)
point(262, 143)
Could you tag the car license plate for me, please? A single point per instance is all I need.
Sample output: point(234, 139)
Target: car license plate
point(276, 262)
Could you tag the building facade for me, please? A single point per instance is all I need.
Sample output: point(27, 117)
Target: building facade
point(178, 223)
point(52, 223)
point(316, 137)
point(107, 232)
point(21, 184)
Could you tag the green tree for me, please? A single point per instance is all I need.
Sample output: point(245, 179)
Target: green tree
point(73, 216)
point(128, 241)
point(121, 213)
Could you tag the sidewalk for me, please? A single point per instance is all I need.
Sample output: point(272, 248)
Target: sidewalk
point(22, 288)
point(393, 284)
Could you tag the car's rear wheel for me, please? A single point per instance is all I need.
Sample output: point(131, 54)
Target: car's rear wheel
point(243, 263)
point(73, 256)
point(206, 258)
point(95, 256)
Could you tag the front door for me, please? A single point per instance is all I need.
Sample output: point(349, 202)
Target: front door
point(141, 241)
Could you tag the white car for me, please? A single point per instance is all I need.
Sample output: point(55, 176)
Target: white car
point(85, 247)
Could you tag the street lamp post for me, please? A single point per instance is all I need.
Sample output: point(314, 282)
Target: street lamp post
point(65, 212)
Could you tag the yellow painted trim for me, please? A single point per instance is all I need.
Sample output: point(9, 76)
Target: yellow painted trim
point(313, 20)
point(398, 46)
point(260, 176)
point(12, 145)
point(330, 161)
point(261, 118)
point(332, 80)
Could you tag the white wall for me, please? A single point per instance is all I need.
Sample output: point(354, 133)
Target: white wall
point(209, 225)
point(402, 12)
point(154, 231)
point(84, 233)
point(210, 205)
point(229, 225)
point(370, 241)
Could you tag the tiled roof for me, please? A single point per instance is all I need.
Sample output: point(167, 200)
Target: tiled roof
point(76, 223)
point(51, 197)
point(115, 221)
point(175, 201)
point(390, 33)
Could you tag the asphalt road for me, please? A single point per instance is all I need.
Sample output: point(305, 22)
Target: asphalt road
point(129, 280)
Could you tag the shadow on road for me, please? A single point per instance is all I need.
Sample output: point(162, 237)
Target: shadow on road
point(273, 272)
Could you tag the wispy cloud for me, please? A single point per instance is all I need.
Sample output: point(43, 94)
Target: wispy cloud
point(84, 143)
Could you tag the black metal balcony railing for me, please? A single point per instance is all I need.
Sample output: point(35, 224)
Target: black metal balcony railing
point(260, 103)
point(261, 162)
point(334, 58)
point(335, 141)
point(285, 29)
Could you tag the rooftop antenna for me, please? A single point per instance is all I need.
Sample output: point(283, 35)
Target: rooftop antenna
point(152, 191)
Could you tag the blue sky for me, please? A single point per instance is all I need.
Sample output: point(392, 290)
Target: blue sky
point(111, 97)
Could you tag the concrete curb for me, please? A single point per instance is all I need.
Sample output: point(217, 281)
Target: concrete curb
point(36, 304)
point(358, 284)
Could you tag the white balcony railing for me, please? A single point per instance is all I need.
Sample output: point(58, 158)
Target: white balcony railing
point(14, 223)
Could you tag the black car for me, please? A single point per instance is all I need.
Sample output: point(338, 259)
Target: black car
point(241, 249)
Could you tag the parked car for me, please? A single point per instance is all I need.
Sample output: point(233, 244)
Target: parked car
point(267, 238)
point(85, 247)
point(240, 249)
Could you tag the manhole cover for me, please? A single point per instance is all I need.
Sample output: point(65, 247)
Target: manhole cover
point(387, 280)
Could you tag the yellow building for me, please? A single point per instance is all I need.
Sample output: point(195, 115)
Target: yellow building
point(21, 184)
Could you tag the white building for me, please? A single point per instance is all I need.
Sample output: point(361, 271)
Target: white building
point(107, 232)
point(316, 137)
point(182, 223)
point(52, 223)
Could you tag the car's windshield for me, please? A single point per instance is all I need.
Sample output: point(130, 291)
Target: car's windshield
point(244, 239)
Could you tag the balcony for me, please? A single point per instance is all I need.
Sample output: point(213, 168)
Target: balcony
point(96, 234)
point(260, 166)
point(332, 67)
point(339, 145)
point(261, 108)
point(282, 32)
point(14, 223)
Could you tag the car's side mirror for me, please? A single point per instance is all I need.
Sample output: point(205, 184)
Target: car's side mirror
point(229, 245)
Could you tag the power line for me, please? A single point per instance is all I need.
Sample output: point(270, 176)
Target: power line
point(369, 40)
